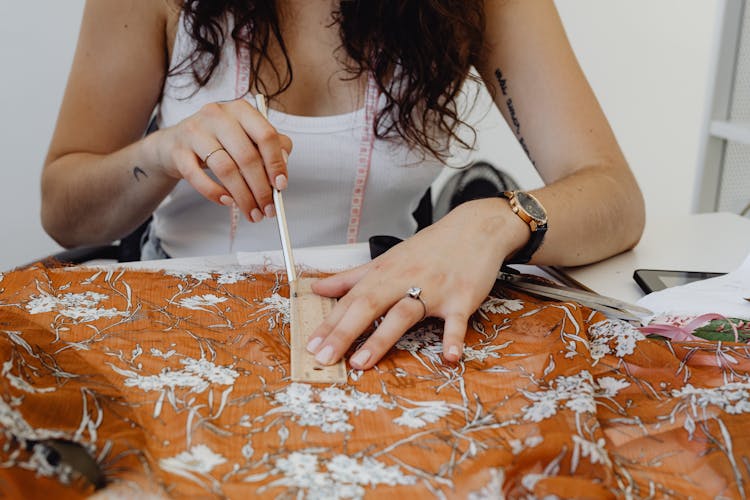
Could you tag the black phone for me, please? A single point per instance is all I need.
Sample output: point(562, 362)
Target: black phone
point(653, 280)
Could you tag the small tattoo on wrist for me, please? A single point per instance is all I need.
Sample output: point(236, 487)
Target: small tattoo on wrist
point(137, 172)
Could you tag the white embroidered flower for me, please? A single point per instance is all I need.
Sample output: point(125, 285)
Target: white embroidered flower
point(164, 355)
point(279, 307)
point(215, 374)
point(166, 379)
point(355, 401)
point(517, 446)
point(328, 409)
point(544, 406)
point(529, 480)
point(201, 302)
point(199, 276)
point(581, 404)
point(604, 332)
point(610, 386)
point(199, 458)
point(481, 355)
point(732, 398)
point(80, 307)
point(409, 419)
point(493, 490)
point(176, 274)
point(495, 305)
point(370, 472)
point(248, 451)
point(427, 412)
point(344, 477)
point(408, 344)
point(575, 392)
point(295, 395)
point(596, 452)
point(229, 278)
point(197, 375)
point(420, 338)
point(298, 466)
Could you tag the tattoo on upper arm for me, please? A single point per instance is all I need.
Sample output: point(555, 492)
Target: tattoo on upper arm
point(512, 112)
point(137, 172)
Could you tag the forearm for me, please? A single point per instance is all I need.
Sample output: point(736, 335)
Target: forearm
point(595, 213)
point(90, 199)
point(592, 214)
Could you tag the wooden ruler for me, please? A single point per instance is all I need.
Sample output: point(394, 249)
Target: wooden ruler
point(308, 311)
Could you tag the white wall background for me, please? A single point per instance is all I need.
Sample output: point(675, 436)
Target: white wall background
point(647, 61)
point(37, 40)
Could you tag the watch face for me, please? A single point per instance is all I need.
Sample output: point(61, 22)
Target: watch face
point(532, 207)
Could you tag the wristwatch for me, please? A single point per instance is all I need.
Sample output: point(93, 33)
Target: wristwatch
point(528, 208)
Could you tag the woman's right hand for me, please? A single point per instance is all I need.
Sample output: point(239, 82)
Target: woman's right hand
point(244, 151)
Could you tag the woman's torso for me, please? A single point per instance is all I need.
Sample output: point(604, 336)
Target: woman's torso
point(323, 165)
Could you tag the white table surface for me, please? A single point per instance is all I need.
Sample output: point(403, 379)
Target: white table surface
point(711, 242)
point(699, 242)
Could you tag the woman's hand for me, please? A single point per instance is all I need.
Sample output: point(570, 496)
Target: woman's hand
point(234, 141)
point(455, 262)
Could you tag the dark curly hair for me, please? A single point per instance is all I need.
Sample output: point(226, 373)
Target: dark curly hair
point(429, 44)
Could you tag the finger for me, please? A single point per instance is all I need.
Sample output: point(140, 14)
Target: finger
point(286, 143)
point(189, 167)
point(214, 156)
point(247, 158)
point(326, 326)
point(454, 333)
point(403, 315)
point(267, 139)
point(227, 171)
point(339, 284)
point(359, 316)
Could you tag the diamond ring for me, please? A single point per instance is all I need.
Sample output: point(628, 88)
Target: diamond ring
point(416, 293)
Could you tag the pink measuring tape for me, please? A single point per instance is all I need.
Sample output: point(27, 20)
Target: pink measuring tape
point(364, 154)
point(364, 159)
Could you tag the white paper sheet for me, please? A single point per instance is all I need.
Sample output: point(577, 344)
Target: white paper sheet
point(723, 295)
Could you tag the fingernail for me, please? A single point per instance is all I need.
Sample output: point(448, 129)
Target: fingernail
point(270, 211)
point(325, 356)
point(257, 215)
point(313, 344)
point(454, 353)
point(226, 200)
point(360, 358)
point(281, 182)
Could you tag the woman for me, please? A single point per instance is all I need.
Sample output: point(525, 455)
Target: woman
point(334, 71)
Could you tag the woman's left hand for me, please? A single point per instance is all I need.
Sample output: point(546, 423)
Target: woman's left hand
point(454, 262)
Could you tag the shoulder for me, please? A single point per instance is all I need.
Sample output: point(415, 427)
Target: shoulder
point(143, 19)
point(171, 11)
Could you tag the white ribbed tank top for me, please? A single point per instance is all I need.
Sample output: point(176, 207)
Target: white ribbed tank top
point(322, 170)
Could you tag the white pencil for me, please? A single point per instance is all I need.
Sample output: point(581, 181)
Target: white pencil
point(278, 201)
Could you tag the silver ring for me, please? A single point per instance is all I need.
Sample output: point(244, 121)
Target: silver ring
point(416, 293)
point(205, 160)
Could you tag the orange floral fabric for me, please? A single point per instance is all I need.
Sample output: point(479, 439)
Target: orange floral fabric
point(177, 385)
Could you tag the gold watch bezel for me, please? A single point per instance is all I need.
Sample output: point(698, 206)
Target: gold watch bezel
point(520, 210)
